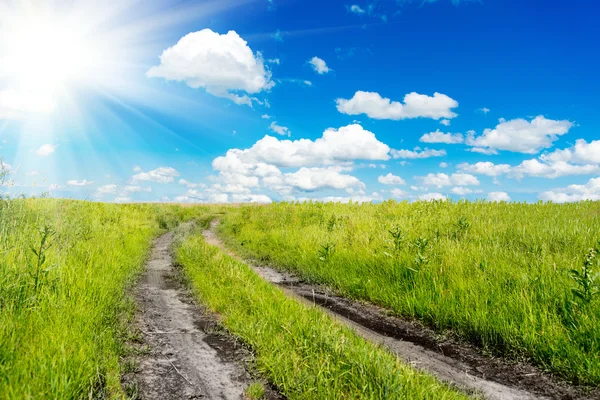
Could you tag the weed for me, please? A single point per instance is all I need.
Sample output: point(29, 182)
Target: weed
point(255, 391)
point(587, 287)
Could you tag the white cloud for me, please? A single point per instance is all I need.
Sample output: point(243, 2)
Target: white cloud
point(251, 198)
point(347, 143)
point(443, 165)
point(440, 180)
point(432, 197)
point(426, 153)
point(280, 130)
point(273, 61)
point(553, 169)
point(520, 135)
point(46, 150)
point(309, 179)
point(582, 153)
point(122, 199)
point(498, 196)
point(136, 189)
point(356, 9)
point(319, 65)
point(440, 137)
point(588, 191)
point(484, 110)
point(390, 179)
point(79, 183)
point(398, 194)
point(159, 175)
point(415, 106)
point(222, 64)
point(265, 116)
point(107, 189)
point(461, 191)
point(482, 150)
point(445, 122)
point(485, 168)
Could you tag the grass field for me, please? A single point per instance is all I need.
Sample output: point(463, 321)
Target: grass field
point(64, 268)
point(516, 279)
point(498, 275)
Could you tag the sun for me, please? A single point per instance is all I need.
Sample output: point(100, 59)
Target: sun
point(42, 58)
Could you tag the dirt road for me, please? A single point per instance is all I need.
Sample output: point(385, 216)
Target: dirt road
point(188, 357)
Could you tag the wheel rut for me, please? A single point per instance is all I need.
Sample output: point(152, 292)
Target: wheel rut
point(460, 364)
point(183, 353)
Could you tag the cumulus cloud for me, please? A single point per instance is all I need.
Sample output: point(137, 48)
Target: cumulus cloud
point(498, 196)
point(309, 179)
point(461, 190)
point(425, 153)
point(45, 150)
point(356, 9)
point(485, 168)
point(484, 110)
point(440, 180)
point(587, 191)
point(280, 130)
point(222, 64)
point(582, 153)
point(520, 135)
point(79, 183)
point(107, 189)
point(159, 175)
point(390, 179)
point(319, 65)
point(398, 194)
point(440, 137)
point(347, 143)
point(415, 106)
point(432, 197)
point(445, 122)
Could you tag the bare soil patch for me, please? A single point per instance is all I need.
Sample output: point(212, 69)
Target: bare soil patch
point(183, 353)
point(448, 358)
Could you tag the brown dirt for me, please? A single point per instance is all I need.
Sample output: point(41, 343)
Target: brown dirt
point(451, 360)
point(183, 354)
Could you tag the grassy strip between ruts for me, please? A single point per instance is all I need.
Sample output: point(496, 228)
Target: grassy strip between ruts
point(302, 350)
point(64, 270)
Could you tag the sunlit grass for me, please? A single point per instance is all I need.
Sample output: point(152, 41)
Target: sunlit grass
point(64, 270)
point(496, 274)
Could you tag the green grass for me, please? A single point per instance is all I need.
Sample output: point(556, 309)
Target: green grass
point(63, 301)
point(495, 274)
point(300, 349)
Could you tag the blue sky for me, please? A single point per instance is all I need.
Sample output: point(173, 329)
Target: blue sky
point(258, 100)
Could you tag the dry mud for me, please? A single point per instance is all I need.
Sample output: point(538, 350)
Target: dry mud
point(460, 364)
point(184, 353)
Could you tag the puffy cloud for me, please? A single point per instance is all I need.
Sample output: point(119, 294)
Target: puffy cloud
point(265, 116)
point(79, 183)
point(426, 153)
point(280, 130)
point(440, 180)
point(159, 175)
point(553, 169)
point(398, 194)
point(390, 179)
point(46, 150)
point(461, 191)
point(432, 197)
point(440, 137)
point(319, 65)
point(415, 105)
point(356, 9)
point(222, 64)
point(485, 168)
point(520, 135)
point(443, 165)
point(588, 191)
point(107, 189)
point(347, 143)
point(582, 153)
point(482, 150)
point(445, 122)
point(498, 196)
point(309, 179)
